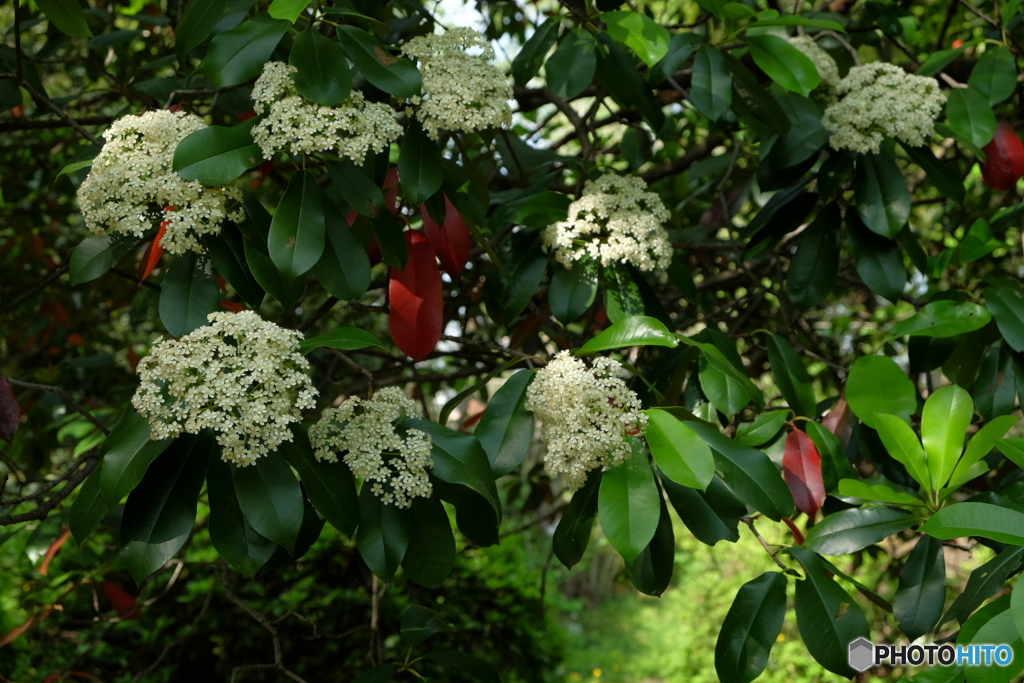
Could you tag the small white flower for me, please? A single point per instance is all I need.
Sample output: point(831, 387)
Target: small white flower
point(615, 221)
point(354, 128)
point(241, 376)
point(879, 100)
point(462, 91)
point(823, 61)
point(131, 183)
point(364, 430)
point(585, 415)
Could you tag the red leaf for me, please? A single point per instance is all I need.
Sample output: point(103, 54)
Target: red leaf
point(124, 603)
point(153, 254)
point(417, 300)
point(19, 630)
point(451, 240)
point(801, 468)
point(1004, 163)
point(391, 190)
point(10, 412)
point(51, 552)
point(232, 306)
point(838, 421)
point(798, 535)
point(246, 115)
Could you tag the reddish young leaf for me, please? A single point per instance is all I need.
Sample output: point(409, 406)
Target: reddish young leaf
point(838, 421)
point(232, 306)
point(51, 552)
point(417, 300)
point(451, 239)
point(153, 254)
point(125, 604)
point(798, 535)
point(1004, 162)
point(801, 468)
point(246, 115)
point(10, 412)
point(391, 190)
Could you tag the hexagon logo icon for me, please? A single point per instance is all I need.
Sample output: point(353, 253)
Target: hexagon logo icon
point(862, 655)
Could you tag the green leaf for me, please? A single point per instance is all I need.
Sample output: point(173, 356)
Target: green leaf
point(883, 198)
point(419, 623)
point(1012, 449)
point(459, 459)
point(938, 61)
point(944, 318)
point(76, 166)
point(944, 422)
point(651, 572)
point(189, 294)
point(67, 15)
point(233, 537)
point(323, 75)
point(383, 535)
point(995, 74)
point(394, 75)
point(751, 475)
point(628, 504)
point(431, 554)
point(571, 68)
point(270, 498)
point(921, 593)
point(848, 531)
point(763, 429)
point(419, 165)
point(903, 445)
point(159, 514)
point(647, 38)
point(329, 486)
point(750, 629)
point(1007, 307)
point(984, 582)
point(342, 338)
point(712, 515)
point(876, 385)
point(356, 187)
point(89, 507)
point(309, 533)
point(238, 55)
point(531, 56)
point(633, 331)
point(982, 442)
point(126, 454)
point(389, 231)
point(978, 242)
point(344, 267)
point(944, 176)
point(711, 91)
point(724, 391)
point(879, 262)
point(572, 535)
point(680, 48)
point(474, 515)
point(784, 64)
point(476, 668)
point(289, 10)
point(506, 429)
point(296, 239)
point(718, 360)
point(796, 20)
point(679, 452)
point(813, 269)
point(216, 155)
point(970, 115)
point(834, 463)
point(196, 25)
point(227, 251)
point(877, 493)
point(791, 376)
point(572, 291)
point(977, 519)
point(94, 256)
point(828, 618)
point(999, 629)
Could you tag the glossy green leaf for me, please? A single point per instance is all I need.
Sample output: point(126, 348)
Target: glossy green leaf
point(813, 269)
point(679, 451)
point(474, 515)
point(751, 628)
point(196, 24)
point(459, 459)
point(978, 242)
point(297, 232)
point(938, 61)
point(943, 318)
point(419, 623)
point(982, 443)
point(848, 531)
point(1007, 307)
point(255, 231)
point(828, 618)
point(309, 533)
point(227, 251)
point(419, 165)
point(943, 175)
point(238, 55)
point(344, 267)
point(728, 394)
point(233, 537)
point(189, 294)
point(977, 519)
point(159, 513)
point(72, 168)
point(712, 515)
point(717, 359)
point(89, 507)
point(1012, 449)
point(903, 445)
point(383, 535)
point(216, 155)
point(879, 261)
point(617, 68)
point(431, 554)
point(1000, 629)
point(971, 116)
point(834, 463)
point(651, 572)
point(791, 376)
point(917, 604)
point(680, 48)
point(126, 454)
point(342, 338)
point(712, 83)
point(329, 486)
point(763, 429)
point(531, 56)
point(784, 64)
point(882, 195)
point(572, 535)
point(270, 498)
point(798, 20)
point(647, 38)
point(628, 504)
point(67, 15)
point(571, 68)
point(622, 294)
point(394, 75)
point(984, 582)
point(995, 74)
point(947, 414)
point(356, 187)
point(289, 10)
point(506, 429)
point(878, 493)
point(877, 385)
point(323, 75)
point(995, 392)
point(633, 331)
point(94, 256)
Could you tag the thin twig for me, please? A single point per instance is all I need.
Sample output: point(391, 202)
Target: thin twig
point(786, 570)
point(72, 403)
point(358, 368)
point(44, 509)
point(317, 314)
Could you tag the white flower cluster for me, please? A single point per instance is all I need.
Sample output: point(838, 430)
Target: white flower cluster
point(354, 128)
point(879, 100)
point(585, 415)
point(364, 430)
point(131, 184)
point(822, 60)
point(615, 221)
point(462, 91)
point(241, 376)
